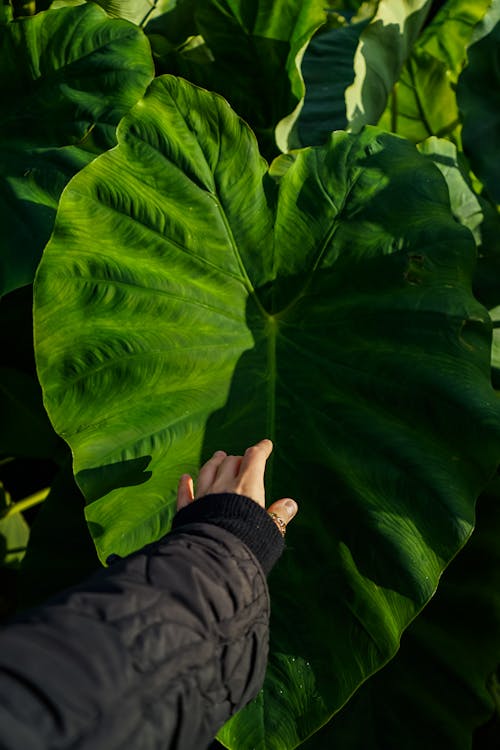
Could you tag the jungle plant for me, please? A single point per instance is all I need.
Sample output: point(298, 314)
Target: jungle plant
point(322, 298)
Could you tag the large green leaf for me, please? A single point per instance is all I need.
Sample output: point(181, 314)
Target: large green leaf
point(255, 50)
point(331, 311)
point(66, 78)
point(479, 100)
point(424, 100)
point(436, 689)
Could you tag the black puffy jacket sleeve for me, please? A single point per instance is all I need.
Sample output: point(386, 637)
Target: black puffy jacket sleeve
point(156, 651)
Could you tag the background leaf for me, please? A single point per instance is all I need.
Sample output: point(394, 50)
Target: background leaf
point(25, 429)
point(14, 532)
point(479, 101)
point(67, 77)
point(138, 11)
point(437, 686)
point(255, 50)
point(465, 204)
point(217, 306)
point(424, 100)
point(14, 535)
point(475, 212)
point(60, 552)
point(328, 70)
point(384, 46)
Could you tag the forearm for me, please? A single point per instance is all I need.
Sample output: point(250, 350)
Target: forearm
point(171, 632)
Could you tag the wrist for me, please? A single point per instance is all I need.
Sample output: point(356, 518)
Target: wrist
point(243, 517)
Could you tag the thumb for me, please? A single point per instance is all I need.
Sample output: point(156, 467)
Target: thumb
point(185, 491)
point(286, 508)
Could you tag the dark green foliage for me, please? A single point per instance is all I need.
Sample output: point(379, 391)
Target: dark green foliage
point(192, 298)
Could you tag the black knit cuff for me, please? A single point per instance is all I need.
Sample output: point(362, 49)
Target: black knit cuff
point(243, 517)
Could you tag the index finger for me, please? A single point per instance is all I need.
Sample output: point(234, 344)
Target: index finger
point(255, 457)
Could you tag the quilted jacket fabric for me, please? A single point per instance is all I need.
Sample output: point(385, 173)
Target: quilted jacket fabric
point(156, 651)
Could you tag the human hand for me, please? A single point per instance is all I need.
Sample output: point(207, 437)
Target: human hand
point(243, 475)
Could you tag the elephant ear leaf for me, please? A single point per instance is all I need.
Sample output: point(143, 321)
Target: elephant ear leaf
point(188, 301)
point(68, 76)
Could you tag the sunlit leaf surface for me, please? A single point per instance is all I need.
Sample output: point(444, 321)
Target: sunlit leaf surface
point(187, 301)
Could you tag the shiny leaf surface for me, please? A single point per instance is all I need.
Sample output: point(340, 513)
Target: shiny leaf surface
point(330, 311)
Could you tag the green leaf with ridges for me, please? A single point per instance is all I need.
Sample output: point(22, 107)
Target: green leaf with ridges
point(330, 311)
point(68, 76)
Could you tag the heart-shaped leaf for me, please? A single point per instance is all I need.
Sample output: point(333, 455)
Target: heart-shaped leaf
point(328, 309)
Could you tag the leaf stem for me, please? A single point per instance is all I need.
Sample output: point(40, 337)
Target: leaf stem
point(27, 502)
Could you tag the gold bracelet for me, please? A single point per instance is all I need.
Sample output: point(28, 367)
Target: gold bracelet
point(279, 522)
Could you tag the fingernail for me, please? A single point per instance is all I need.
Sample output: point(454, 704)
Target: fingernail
point(291, 507)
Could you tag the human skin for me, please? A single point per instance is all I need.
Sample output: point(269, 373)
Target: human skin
point(243, 475)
